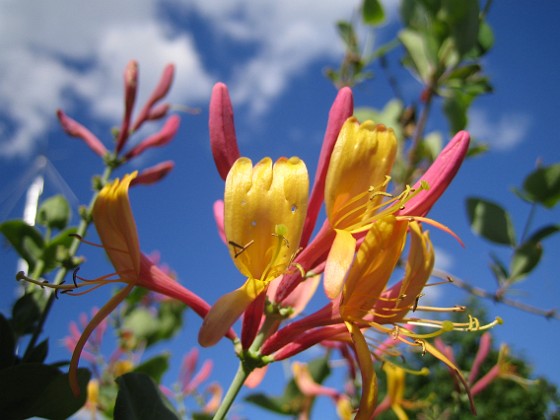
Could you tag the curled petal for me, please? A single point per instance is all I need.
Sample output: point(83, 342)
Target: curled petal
point(75, 129)
point(115, 224)
point(369, 379)
point(439, 175)
point(227, 310)
point(222, 130)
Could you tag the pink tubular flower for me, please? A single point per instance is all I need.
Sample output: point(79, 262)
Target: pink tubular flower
point(75, 129)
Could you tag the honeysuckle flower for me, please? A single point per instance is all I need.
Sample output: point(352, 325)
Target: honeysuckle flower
point(264, 211)
point(153, 174)
point(130, 90)
point(115, 224)
point(161, 138)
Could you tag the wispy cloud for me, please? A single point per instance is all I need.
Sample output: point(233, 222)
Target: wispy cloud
point(502, 133)
point(81, 48)
point(53, 55)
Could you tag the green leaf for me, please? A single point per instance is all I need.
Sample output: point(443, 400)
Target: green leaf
point(499, 269)
point(455, 108)
point(485, 38)
point(348, 36)
point(490, 221)
point(7, 343)
point(543, 185)
point(418, 54)
point(56, 250)
point(544, 232)
point(463, 20)
point(525, 259)
point(54, 212)
point(140, 399)
point(25, 314)
point(154, 367)
point(39, 353)
point(372, 12)
point(26, 240)
point(37, 390)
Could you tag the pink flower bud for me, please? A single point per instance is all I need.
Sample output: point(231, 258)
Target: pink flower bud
point(130, 89)
point(75, 129)
point(222, 130)
point(158, 93)
point(154, 174)
point(161, 138)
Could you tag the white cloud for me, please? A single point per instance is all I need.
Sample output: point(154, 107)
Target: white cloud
point(81, 47)
point(43, 47)
point(503, 133)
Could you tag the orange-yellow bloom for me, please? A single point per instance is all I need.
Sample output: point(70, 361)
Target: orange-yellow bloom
point(112, 216)
point(264, 211)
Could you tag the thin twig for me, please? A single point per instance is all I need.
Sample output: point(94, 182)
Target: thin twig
point(498, 298)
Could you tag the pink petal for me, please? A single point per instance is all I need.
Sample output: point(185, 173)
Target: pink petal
point(161, 138)
point(130, 89)
point(154, 174)
point(219, 217)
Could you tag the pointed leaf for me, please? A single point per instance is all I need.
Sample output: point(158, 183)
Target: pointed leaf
point(54, 213)
point(543, 185)
point(490, 221)
point(372, 12)
point(7, 344)
point(544, 232)
point(26, 240)
point(140, 399)
point(25, 313)
point(154, 367)
point(56, 249)
point(37, 390)
point(525, 259)
point(419, 57)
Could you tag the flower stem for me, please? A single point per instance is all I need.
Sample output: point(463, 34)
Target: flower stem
point(234, 388)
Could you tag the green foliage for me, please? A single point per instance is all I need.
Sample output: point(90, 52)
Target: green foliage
point(491, 221)
point(542, 186)
point(54, 213)
point(154, 367)
point(372, 12)
point(26, 240)
point(140, 399)
point(34, 389)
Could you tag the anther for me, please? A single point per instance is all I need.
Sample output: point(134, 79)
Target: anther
point(74, 275)
point(241, 248)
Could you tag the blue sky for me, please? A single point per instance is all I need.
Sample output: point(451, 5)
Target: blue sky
point(271, 55)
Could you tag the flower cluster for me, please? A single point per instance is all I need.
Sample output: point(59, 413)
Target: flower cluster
point(267, 221)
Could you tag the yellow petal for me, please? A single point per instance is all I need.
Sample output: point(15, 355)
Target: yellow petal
point(375, 261)
point(227, 310)
point(256, 202)
point(369, 379)
point(419, 266)
point(362, 158)
point(116, 227)
point(340, 257)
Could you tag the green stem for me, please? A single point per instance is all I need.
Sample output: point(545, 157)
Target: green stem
point(245, 368)
point(63, 271)
point(528, 223)
point(234, 388)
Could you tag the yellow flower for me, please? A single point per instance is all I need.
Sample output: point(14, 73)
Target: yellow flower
point(355, 189)
point(264, 212)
